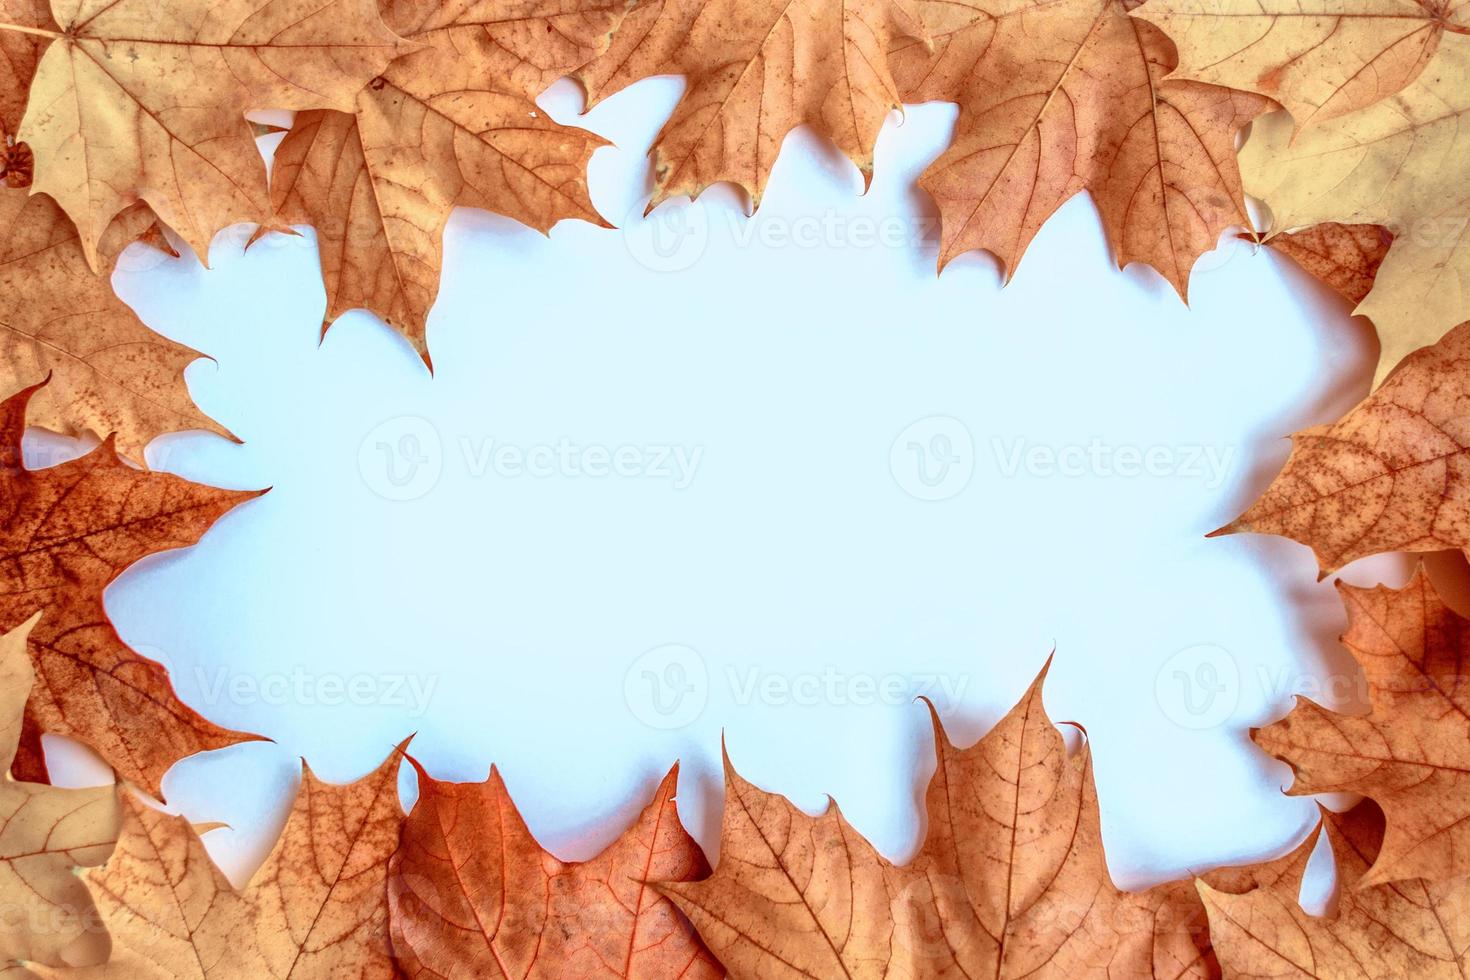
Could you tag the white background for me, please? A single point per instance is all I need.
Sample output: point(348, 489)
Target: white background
point(798, 592)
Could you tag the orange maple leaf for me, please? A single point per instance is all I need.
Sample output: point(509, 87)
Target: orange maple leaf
point(109, 373)
point(1060, 97)
point(20, 53)
point(1011, 881)
point(1411, 752)
point(473, 894)
point(1410, 928)
point(68, 532)
point(1345, 257)
point(1390, 476)
point(453, 122)
point(755, 71)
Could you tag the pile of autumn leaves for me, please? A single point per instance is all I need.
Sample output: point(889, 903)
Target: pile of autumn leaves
point(126, 116)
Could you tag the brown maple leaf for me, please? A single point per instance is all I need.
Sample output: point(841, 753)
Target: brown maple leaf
point(145, 99)
point(20, 53)
point(473, 894)
point(1411, 752)
point(1060, 96)
point(1410, 928)
point(1390, 476)
point(1011, 881)
point(316, 908)
point(67, 533)
point(1345, 257)
point(45, 833)
point(109, 373)
point(453, 122)
point(755, 71)
point(1320, 59)
point(1398, 163)
point(1379, 100)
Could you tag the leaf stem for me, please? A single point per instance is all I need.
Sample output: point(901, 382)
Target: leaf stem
point(38, 31)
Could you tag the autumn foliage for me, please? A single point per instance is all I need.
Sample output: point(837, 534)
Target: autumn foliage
point(125, 126)
point(69, 531)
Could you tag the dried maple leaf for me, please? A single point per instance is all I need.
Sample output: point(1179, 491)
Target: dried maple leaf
point(1320, 59)
point(473, 894)
point(145, 99)
point(1390, 476)
point(1010, 883)
point(1060, 96)
point(1411, 752)
point(453, 122)
point(754, 71)
point(317, 907)
point(109, 373)
point(65, 533)
point(320, 177)
point(45, 833)
point(20, 53)
point(1407, 929)
point(1398, 163)
point(1345, 257)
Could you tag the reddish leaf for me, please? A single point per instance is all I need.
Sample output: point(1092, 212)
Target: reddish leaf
point(68, 532)
point(473, 894)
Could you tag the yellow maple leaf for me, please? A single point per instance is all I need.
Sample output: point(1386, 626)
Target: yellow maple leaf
point(1319, 58)
point(145, 100)
point(318, 907)
point(1379, 133)
point(45, 833)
